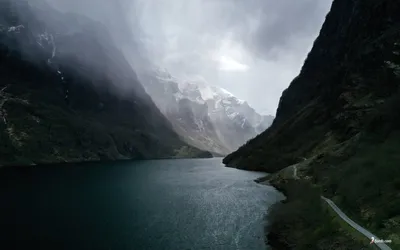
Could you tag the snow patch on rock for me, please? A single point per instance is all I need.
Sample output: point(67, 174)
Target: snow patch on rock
point(16, 29)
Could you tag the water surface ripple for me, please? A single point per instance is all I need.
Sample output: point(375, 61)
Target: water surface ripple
point(165, 204)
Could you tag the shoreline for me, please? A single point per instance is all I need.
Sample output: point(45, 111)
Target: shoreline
point(272, 239)
point(303, 221)
point(83, 162)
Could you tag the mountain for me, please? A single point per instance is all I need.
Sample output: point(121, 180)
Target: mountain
point(206, 116)
point(340, 118)
point(68, 94)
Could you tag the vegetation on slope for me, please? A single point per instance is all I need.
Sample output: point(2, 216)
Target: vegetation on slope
point(341, 113)
point(353, 68)
point(37, 124)
point(364, 176)
point(303, 221)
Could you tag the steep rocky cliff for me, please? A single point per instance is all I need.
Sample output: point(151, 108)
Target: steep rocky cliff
point(206, 116)
point(340, 120)
point(351, 71)
point(68, 94)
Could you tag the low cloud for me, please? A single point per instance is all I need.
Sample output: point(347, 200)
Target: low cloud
point(252, 48)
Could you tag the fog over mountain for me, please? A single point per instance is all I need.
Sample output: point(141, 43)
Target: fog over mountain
point(68, 93)
point(251, 48)
point(206, 116)
point(214, 68)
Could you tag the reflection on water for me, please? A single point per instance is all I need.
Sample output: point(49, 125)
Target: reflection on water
point(166, 204)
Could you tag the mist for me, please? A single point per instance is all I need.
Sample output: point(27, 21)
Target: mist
point(251, 48)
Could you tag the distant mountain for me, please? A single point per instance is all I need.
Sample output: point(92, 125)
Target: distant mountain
point(206, 116)
point(68, 94)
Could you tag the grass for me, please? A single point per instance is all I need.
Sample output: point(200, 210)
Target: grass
point(349, 120)
point(345, 227)
point(374, 201)
point(362, 175)
point(304, 222)
point(284, 181)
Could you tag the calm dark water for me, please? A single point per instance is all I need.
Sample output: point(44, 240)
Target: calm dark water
point(168, 204)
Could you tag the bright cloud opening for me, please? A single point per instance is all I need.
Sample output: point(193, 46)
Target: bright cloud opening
point(229, 64)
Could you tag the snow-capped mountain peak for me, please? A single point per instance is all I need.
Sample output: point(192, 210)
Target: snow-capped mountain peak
point(204, 113)
point(197, 90)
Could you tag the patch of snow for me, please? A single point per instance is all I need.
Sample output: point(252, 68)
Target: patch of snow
point(199, 124)
point(207, 93)
point(240, 101)
point(16, 28)
point(233, 115)
point(213, 92)
point(53, 54)
point(217, 104)
point(44, 37)
point(35, 118)
point(226, 92)
point(40, 44)
point(200, 100)
point(190, 87)
point(49, 39)
point(394, 67)
point(162, 73)
point(161, 78)
point(178, 96)
point(226, 102)
point(244, 121)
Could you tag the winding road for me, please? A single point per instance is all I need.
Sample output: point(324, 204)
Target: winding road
point(359, 228)
point(344, 217)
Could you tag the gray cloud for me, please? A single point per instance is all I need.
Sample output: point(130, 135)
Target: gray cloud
point(285, 21)
point(252, 48)
point(271, 37)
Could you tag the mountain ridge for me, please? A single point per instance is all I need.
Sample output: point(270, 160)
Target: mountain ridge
point(78, 98)
point(339, 121)
point(329, 89)
point(207, 116)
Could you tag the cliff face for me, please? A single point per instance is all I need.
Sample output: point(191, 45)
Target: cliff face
point(351, 71)
point(206, 116)
point(68, 94)
point(339, 119)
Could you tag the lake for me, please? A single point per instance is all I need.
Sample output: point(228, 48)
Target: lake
point(161, 204)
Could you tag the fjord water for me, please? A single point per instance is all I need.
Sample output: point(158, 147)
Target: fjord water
point(164, 204)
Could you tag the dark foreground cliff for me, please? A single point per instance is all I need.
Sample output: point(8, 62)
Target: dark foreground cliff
point(342, 115)
point(68, 94)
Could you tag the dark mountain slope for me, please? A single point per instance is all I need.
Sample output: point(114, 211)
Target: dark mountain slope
point(340, 119)
point(67, 94)
point(351, 70)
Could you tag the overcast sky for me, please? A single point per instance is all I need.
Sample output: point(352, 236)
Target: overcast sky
point(252, 48)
